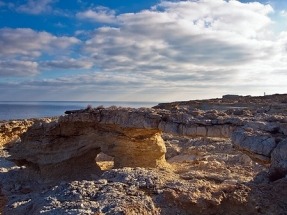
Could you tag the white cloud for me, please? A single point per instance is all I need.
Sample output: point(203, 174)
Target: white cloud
point(283, 13)
point(98, 80)
point(99, 14)
point(68, 64)
point(36, 7)
point(177, 50)
point(18, 68)
point(193, 45)
point(179, 37)
point(27, 42)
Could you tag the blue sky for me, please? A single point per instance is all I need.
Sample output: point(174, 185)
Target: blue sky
point(110, 50)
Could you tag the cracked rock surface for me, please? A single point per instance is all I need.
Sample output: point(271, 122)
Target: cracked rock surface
point(176, 160)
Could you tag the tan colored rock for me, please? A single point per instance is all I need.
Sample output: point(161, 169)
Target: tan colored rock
point(10, 131)
point(69, 147)
point(131, 136)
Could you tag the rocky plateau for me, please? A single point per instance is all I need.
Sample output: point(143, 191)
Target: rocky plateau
point(218, 156)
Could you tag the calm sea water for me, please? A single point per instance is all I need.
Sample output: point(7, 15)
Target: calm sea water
point(25, 110)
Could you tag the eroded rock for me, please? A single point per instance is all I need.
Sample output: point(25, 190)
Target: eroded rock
point(264, 141)
point(10, 131)
point(278, 167)
point(260, 145)
point(70, 145)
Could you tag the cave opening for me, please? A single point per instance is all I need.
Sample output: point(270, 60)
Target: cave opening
point(104, 161)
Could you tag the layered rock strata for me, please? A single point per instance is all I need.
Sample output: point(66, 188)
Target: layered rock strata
point(265, 141)
point(133, 137)
point(10, 131)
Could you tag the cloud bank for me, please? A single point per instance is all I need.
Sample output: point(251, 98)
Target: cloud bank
point(36, 7)
point(99, 14)
point(177, 50)
point(27, 42)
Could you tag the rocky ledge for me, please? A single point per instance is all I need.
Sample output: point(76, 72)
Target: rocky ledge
point(179, 160)
point(133, 137)
point(10, 131)
point(264, 140)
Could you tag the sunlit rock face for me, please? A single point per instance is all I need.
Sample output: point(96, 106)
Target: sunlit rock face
point(10, 131)
point(206, 150)
point(70, 145)
point(133, 137)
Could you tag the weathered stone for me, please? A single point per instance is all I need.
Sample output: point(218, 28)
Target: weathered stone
point(226, 131)
point(190, 130)
point(214, 131)
point(209, 177)
point(259, 145)
point(201, 131)
point(10, 131)
point(283, 128)
point(133, 136)
point(279, 157)
point(169, 127)
point(72, 144)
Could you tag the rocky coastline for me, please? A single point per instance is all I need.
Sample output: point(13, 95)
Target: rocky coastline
point(217, 156)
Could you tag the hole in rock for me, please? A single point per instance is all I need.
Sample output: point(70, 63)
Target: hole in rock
point(104, 161)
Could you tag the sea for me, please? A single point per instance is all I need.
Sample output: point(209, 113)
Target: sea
point(26, 110)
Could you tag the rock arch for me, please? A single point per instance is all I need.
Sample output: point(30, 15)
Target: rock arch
point(132, 136)
point(69, 146)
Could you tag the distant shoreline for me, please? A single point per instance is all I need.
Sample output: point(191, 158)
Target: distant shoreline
point(27, 110)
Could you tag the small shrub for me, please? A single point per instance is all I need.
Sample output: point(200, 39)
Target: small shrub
point(100, 107)
point(89, 107)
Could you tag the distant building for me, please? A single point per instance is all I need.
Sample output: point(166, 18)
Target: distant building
point(230, 97)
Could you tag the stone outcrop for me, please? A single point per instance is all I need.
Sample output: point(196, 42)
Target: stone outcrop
point(265, 141)
point(131, 136)
point(279, 161)
point(10, 131)
point(256, 104)
point(70, 145)
point(257, 144)
point(207, 175)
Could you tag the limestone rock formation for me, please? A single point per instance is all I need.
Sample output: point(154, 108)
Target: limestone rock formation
point(240, 104)
point(210, 173)
point(263, 138)
point(279, 160)
point(259, 145)
point(10, 131)
point(131, 136)
point(69, 146)
point(216, 182)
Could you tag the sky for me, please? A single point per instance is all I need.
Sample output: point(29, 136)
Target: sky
point(144, 50)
